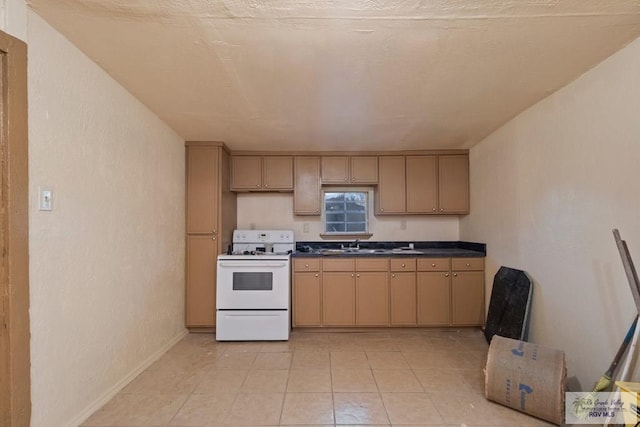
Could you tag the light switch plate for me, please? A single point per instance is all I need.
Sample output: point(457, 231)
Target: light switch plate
point(45, 199)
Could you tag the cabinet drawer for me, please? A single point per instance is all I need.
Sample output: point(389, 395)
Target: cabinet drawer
point(306, 264)
point(403, 264)
point(463, 264)
point(338, 264)
point(434, 264)
point(372, 264)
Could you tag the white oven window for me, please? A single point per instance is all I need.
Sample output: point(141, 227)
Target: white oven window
point(252, 281)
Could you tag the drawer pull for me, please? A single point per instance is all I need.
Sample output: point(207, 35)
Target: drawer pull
point(316, 274)
point(357, 275)
point(468, 265)
point(455, 274)
point(393, 275)
point(306, 266)
point(403, 266)
point(433, 264)
point(446, 275)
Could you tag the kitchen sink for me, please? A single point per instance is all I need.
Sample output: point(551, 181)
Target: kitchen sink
point(361, 251)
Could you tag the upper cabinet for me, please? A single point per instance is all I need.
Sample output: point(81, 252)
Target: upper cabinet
point(423, 184)
point(391, 198)
point(349, 169)
point(453, 184)
point(306, 194)
point(203, 189)
point(262, 173)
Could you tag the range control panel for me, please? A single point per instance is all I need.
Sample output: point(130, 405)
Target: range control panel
point(263, 236)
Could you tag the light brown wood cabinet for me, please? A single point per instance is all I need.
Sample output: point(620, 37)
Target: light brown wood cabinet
point(349, 169)
point(307, 292)
point(467, 289)
point(423, 184)
point(402, 283)
point(451, 292)
point(306, 194)
point(210, 220)
point(391, 193)
point(362, 291)
point(261, 173)
point(453, 184)
point(355, 292)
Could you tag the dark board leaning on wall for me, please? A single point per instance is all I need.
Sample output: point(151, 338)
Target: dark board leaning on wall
point(508, 314)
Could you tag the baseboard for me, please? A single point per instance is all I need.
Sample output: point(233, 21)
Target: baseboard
point(109, 394)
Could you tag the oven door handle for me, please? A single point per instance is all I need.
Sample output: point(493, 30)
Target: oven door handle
point(251, 264)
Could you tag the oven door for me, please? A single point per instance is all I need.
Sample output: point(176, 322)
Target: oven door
point(253, 284)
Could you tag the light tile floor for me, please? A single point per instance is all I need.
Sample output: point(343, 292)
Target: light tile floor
point(395, 377)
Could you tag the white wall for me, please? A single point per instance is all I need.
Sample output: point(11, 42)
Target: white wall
point(13, 18)
point(107, 264)
point(275, 210)
point(547, 189)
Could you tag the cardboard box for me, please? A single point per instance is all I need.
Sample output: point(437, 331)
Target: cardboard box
point(526, 377)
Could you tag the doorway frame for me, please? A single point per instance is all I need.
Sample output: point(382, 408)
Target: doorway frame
point(15, 398)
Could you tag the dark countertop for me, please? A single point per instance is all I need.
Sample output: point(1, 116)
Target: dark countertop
point(391, 249)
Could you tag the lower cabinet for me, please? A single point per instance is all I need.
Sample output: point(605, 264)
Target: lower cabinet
point(339, 298)
point(372, 298)
point(307, 292)
point(201, 281)
point(467, 289)
point(402, 284)
point(434, 296)
point(388, 292)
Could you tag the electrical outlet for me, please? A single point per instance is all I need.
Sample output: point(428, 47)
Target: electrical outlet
point(45, 199)
point(403, 224)
point(305, 227)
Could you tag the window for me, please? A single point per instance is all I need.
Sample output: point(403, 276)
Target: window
point(345, 212)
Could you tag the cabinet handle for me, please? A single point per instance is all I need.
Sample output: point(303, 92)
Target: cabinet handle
point(346, 179)
point(433, 264)
point(393, 275)
point(266, 185)
point(381, 210)
point(215, 231)
point(434, 209)
point(213, 238)
point(258, 185)
point(357, 275)
point(441, 210)
point(351, 274)
point(316, 274)
point(455, 274)
point(468, 265)
point(446, 275)
point(306, 266)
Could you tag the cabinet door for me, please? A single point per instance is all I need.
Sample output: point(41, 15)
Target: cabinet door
point(338, 299)
point(335, 169)
point(468, 297)
point(364, 170)
point(453, 184)
point(306, 299)
point(202, 189)
point(246, 173)
point(422, 184)
point(434, 299)
point(277, 173)
point(306, 191)
point(372, 299)
point(403, 298)
point(201, 281)
point(391, 185)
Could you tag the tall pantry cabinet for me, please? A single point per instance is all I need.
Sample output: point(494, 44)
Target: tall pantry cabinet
point(210, 221)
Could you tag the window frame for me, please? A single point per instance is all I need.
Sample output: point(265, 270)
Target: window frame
point(368, 200)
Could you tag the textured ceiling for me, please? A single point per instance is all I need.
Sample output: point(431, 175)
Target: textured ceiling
point(343, 74)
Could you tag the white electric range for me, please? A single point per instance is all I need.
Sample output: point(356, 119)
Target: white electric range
point(253, 292)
